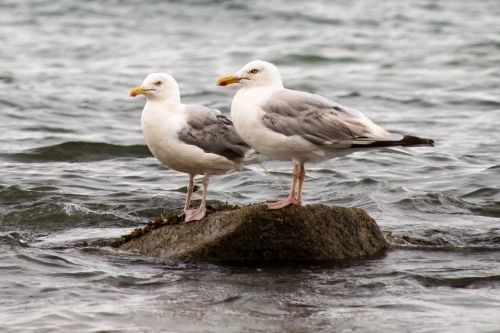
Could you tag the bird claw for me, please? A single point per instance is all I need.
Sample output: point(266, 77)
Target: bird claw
point(283, 203)
point(194, 214)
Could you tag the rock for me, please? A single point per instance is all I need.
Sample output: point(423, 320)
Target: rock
point(255, 233)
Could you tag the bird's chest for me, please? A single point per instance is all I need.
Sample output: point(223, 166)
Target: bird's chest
point(246, 115)
point(160, 133)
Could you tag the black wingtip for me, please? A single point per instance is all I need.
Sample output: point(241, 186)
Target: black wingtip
point(406, 141)
point(410, 140)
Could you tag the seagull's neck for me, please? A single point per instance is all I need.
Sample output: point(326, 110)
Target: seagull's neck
point(260, 92)
point(164, 104)
point(161, 116)
point(273, 85)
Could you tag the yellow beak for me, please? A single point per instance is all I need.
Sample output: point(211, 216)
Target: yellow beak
point(228, 79)
point(138, 91)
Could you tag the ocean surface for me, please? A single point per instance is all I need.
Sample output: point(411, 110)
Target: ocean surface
point(74, 168)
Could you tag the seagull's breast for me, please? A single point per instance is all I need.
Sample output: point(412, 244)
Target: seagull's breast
point(160, 132)
point(246, 113)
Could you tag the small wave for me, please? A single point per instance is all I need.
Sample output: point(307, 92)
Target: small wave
point(448, 239)
point(6, 78)
point(76, 151)
point(491, 237)
point(350, 94)
point(15, 194)
point(132, 281)
point(459, 282)
point(312, 59)
point(489, 209)
point(443, 203)
point(10, 103)
point(46, 260)
point(410, 100)
point(49, 129)
point(16, 238)
point(477, 102)
point(331, 21)
point(45, 216)
point(434, 203)
point(482, 44)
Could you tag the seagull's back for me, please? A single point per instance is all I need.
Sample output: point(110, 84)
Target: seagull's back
point(315, 117)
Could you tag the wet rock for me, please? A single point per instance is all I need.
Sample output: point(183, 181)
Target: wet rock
point(254, 233)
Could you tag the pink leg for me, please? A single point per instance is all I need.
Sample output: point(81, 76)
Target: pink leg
point(302, 177)
point(291, 200)
point(199, 213)
point(189, 192)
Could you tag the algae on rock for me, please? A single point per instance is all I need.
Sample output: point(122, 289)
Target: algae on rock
point(254, 233)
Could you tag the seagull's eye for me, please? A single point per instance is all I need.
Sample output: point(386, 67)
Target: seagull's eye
point(254, 71)
point(158, 83)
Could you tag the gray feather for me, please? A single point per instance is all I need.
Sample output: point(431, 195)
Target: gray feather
point(213, 132)
point(314, 118)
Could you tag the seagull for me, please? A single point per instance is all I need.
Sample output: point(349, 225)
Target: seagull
point(188, 138)
point(291, 125)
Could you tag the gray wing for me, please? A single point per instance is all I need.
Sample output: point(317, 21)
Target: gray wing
point(213, 132)
point(316, 119)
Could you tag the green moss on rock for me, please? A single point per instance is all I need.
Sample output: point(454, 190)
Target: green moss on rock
point(255, 233)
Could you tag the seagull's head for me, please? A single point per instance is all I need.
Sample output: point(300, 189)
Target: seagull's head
point(159, 86)
point(256, 73)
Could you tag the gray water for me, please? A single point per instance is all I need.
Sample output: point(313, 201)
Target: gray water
point(74, 168)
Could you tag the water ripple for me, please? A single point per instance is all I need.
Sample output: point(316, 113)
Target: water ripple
point(78, 152)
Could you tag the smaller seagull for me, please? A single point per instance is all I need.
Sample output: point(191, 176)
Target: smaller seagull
point(188, 138)
point(285, 124)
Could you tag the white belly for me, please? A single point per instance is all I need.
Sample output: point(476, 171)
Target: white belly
point(161, 138)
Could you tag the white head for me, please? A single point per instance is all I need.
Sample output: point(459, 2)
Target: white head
point(256, 73)
point(158, 86)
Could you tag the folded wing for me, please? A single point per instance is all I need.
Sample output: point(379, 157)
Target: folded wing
point(214, 133)
point(325, 123)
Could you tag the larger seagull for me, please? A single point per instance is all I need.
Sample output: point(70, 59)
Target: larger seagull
point(188, 138)
point(287, 124)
